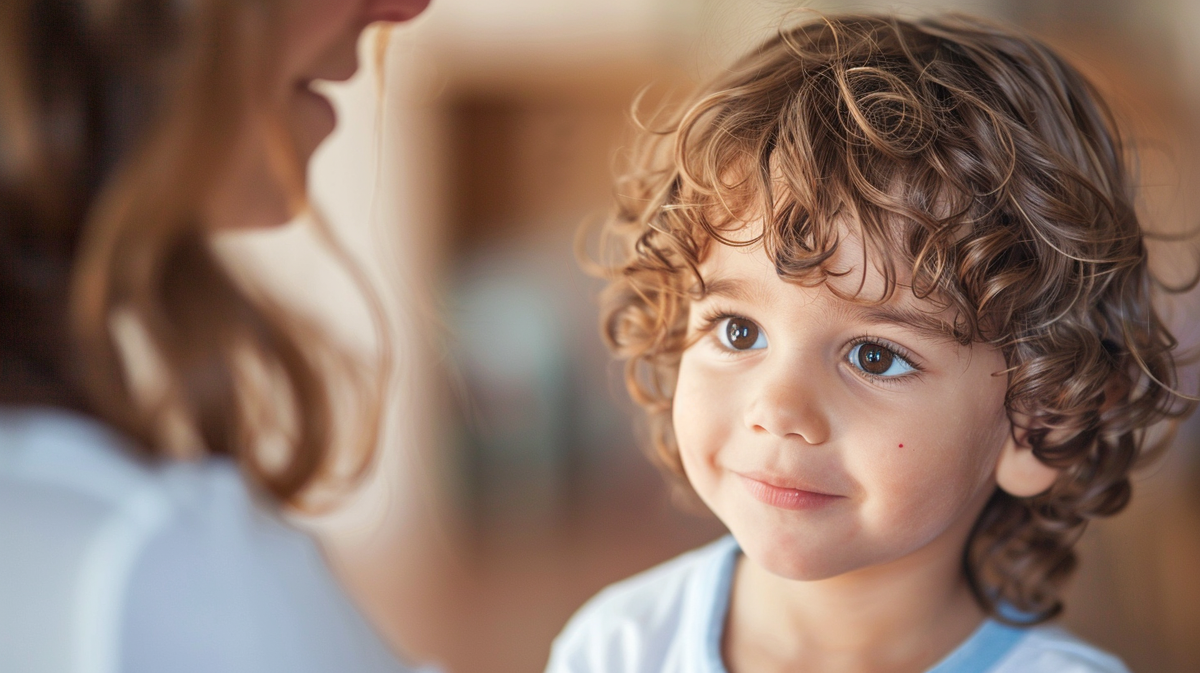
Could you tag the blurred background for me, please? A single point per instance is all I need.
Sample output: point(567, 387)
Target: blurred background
point(512, 485)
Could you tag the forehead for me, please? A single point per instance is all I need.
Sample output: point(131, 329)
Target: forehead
point(854, 288)
point(850, 272)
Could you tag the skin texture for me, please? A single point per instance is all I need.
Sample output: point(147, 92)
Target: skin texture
point(866, 576)
point(319, 43)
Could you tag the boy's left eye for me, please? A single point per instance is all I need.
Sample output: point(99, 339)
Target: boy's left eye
point(878, 360)
point(740, 334)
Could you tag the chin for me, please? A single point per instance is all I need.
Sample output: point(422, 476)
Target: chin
point(803, 557)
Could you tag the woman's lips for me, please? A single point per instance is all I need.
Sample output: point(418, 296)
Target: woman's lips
point(406, 11)
point(314, 115)
point(785, 497)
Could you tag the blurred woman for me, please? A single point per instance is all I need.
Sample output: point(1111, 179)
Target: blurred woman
point(155, 414)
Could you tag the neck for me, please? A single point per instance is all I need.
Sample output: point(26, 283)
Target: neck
point(900, 616)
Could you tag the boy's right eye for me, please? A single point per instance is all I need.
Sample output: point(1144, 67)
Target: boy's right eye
point(740, 334)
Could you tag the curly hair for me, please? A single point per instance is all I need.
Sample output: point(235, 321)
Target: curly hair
point(990, 168)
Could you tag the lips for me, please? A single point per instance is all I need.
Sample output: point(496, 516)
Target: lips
point(313, 118)
point(403, 11)
point(785, 495)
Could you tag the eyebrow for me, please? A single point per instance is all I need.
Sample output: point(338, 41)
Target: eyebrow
point(731, 288)
point(925, 323)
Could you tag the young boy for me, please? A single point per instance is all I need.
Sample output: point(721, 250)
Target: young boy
point(884, 298)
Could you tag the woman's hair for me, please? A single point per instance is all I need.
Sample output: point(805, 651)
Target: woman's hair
point(117, 118)
point(987, 166)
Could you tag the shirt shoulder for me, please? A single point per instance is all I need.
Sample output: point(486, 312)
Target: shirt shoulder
point(231, 587)
point(77, 509)
point(1048, 649)
point(647, 622)
point(179, 566)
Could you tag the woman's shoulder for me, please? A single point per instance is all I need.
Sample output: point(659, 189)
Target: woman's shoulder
point(167, 558)
point(649, 621)
point(70, 476)
point(77, 490)
point(1050, 649)
point(79, 457)
point(79, 514)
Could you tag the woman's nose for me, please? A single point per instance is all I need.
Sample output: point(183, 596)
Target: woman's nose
point(788, 406)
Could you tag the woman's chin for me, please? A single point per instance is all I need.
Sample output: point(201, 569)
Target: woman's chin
point(242, 207)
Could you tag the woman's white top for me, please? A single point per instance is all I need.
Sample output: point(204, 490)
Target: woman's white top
point(670, 619)
point(108, 565)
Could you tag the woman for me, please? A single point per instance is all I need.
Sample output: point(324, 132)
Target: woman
point(130, 131)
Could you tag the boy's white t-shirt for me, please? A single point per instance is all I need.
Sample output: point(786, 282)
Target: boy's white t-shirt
point(670, 619)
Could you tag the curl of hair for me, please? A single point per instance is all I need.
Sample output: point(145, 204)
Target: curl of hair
point(117, 120)
point(983, 162)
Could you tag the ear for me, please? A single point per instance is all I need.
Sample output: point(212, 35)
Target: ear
point(1019, 472)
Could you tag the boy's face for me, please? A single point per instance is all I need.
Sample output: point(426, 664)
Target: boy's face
point(831, 435)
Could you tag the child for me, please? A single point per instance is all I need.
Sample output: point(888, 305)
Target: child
point(884, 298)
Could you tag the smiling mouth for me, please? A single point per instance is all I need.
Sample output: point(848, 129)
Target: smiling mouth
point(785, 497)
point(318, 100)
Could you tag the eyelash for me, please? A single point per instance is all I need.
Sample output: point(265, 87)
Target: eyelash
point(714, 317)
point(896, 349)
point(710, 319)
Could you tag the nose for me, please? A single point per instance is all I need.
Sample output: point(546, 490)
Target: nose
point(395, 11)
point(788, 407)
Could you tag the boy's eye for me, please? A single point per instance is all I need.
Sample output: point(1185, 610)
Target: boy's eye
point(878, 360)
point(741, 334)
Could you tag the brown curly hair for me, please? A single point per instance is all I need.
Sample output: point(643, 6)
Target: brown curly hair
point(973, 155)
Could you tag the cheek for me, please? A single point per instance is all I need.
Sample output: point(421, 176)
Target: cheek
point(922, 474)
point(702, 418)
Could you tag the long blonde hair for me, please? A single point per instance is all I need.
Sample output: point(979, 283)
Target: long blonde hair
point(117, 118)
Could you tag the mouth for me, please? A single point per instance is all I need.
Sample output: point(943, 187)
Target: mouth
point(405, 12)
point(784, 495)
point(315, 116)
point(311, 88)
